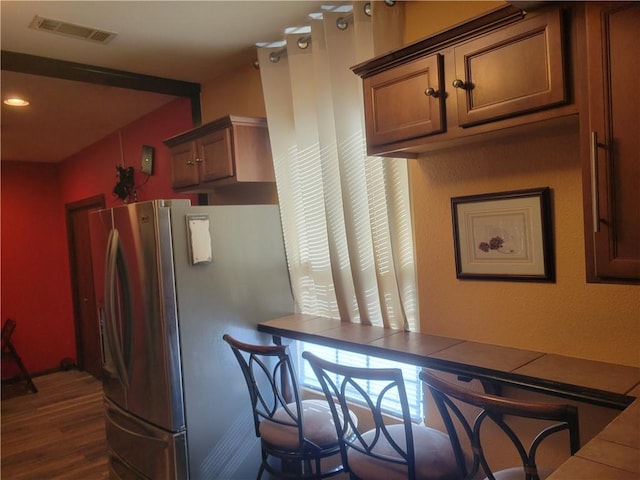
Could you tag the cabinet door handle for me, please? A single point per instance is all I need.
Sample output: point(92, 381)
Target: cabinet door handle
point(189, 162)
point(432, 92)
point(198, 160)
point(595, 203)
point(457, 83)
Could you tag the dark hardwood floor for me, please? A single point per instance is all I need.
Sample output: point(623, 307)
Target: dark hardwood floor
point(57, 433)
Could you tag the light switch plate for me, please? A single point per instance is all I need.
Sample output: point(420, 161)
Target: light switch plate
point(147, 160)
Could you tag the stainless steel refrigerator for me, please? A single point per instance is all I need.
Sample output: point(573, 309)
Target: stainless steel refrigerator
point(171, 279)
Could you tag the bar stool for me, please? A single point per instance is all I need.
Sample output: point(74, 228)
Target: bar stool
point(494, 410)
point(300, 433)
point(402, 451)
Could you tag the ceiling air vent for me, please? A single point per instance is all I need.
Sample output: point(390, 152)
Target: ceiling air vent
point(71, 30)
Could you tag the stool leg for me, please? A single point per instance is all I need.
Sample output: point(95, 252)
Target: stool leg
point(22, 368)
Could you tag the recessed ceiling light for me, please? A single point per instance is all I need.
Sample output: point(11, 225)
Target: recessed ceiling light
point(16, 102)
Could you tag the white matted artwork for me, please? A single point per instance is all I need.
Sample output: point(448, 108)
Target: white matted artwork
point(504, 236)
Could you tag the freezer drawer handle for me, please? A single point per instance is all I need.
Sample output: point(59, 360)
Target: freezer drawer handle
point(147, 437)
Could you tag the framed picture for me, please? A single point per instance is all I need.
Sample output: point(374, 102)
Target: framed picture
point(504, 236)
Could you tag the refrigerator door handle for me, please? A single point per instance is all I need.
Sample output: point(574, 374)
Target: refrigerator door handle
point(103, 334)
point(126, 300)
point(114, 262)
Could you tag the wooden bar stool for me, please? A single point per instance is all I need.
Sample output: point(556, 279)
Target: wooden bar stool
point(10, 353)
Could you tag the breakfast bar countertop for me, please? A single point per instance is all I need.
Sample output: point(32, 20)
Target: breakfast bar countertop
point(598, 383)
point(612, 453)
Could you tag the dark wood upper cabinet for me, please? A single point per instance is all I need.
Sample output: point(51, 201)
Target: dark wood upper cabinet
point(528, 69)
point(184, 172)
point(406, 102)
point(216, 155)
point(503, 69)
point(513, 70)
point(230, 151)
point(610, 138)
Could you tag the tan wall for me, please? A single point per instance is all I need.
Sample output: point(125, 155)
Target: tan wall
point(424, 18)
point(236, 93)
point(240, 91)
point(570, 317)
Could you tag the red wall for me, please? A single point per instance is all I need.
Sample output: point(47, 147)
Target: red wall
point(93, 170)
point(35, 273)
point(36, 285)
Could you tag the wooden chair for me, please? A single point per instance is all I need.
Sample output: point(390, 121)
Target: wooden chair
point(402, 451)
point(9, 352)
point(495, 409)
point(300, 433)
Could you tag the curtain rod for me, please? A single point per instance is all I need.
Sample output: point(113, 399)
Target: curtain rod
point(274, 57)
point(302, 43)
point(342, 23)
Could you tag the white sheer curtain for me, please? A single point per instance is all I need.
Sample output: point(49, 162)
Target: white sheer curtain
point(346, 216)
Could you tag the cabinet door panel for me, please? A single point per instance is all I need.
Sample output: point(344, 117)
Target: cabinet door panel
point(614, 103)
point(216, 155)
point(514, 70)
point(184, 171)
point(396, 105)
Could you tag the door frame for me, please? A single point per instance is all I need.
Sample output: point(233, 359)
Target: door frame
point(89, 203)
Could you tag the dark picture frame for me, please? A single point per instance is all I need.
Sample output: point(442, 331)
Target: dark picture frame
point(504, 236)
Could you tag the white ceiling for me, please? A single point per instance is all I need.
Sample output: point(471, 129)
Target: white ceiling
point(193, 41)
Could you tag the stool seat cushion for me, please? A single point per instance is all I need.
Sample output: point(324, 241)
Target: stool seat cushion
point(317, 427)
point(433, 453)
